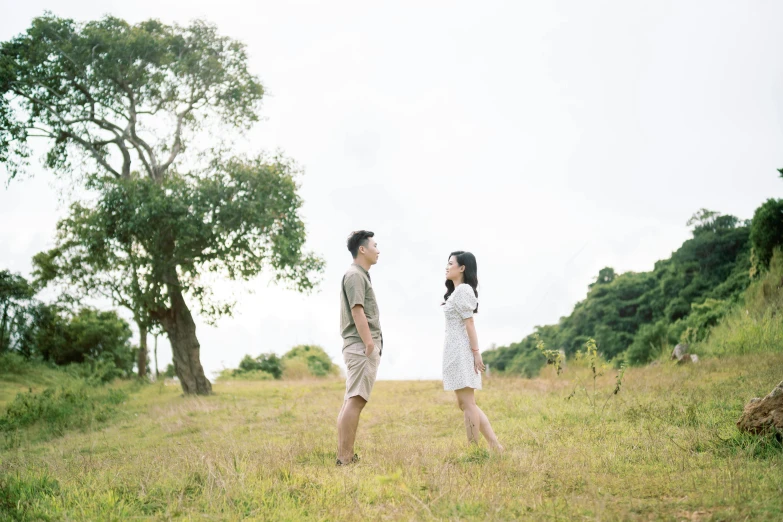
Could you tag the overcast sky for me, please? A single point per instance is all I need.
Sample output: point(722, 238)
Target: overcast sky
point(551, 139)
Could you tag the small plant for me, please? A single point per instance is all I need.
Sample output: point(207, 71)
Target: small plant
point(594, 362)
point(553, 357)
point(597, 368)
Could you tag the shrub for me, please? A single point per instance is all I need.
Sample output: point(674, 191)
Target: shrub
point(317, 361)
point(57, 411)
point(648, 344)
point(296, 369)
point(96, 371)
point(90, 336)
point(739, 334)
point(767, 291)
point(756, 325)
point(266, 362)
point(253, 375)
point(702, 319)
point(300, 362)
point(13, 363)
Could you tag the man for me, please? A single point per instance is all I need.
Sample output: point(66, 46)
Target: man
point(362, 340)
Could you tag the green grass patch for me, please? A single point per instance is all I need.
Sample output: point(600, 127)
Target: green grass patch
point(21, 498)
point(52, 412)
point(664, 448)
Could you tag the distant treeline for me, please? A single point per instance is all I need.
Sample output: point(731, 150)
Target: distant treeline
point(635, 316)
point(61, 334)
point(300, 362)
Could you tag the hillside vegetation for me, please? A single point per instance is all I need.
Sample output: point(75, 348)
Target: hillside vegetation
point(638, 317)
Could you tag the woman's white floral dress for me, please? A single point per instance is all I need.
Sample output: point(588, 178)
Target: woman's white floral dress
point(458, 371)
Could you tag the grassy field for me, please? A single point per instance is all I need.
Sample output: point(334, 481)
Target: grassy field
point(665, 448)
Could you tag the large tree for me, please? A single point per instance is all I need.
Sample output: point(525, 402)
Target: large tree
point(15, 298)
point(766, 231)
point(130, 108)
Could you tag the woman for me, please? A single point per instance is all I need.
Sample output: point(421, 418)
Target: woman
point(462, 364)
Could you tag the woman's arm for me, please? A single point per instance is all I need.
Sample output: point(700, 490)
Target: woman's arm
point(470, 326)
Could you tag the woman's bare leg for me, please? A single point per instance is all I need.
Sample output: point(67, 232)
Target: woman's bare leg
point(489, 434)
point(476, 420)
point(467, 403)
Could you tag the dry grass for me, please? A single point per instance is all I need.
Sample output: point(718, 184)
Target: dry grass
point(664, 449)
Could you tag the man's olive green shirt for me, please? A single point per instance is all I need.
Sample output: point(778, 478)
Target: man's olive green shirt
point(357, 290)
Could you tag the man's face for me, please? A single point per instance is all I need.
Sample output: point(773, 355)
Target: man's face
point(370, 251)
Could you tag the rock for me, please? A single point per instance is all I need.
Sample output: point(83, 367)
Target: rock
point(679, 351)
point(764, 415)
point(688, 358)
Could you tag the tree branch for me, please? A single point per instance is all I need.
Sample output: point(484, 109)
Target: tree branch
point(151, 162)
point(93, 151)
point(177, 146)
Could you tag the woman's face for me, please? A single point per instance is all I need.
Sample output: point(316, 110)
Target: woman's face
point(454, 272)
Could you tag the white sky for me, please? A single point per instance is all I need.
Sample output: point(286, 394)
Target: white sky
point(549, 138)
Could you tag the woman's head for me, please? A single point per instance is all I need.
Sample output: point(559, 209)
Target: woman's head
point(461, 268)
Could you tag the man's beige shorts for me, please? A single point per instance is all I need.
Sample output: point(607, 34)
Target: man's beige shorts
point(360, 370)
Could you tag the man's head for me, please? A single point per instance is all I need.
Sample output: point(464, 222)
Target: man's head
point(363, 247)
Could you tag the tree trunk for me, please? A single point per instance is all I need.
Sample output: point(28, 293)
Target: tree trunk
point(181, 330)
point(142, 362)
point(2, 330)
point(157, 373)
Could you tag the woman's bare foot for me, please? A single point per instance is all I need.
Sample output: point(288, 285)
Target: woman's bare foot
point(497, 447)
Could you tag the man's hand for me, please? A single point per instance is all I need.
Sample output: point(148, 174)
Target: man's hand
point(478, 364)
point(368, 349)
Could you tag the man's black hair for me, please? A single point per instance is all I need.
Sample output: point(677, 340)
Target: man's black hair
point(358, 238)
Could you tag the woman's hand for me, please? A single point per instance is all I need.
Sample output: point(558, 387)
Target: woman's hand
point(478, 364)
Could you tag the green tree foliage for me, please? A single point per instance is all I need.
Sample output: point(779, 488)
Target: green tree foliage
point(89, 336)
point(318, 361)
point(127, 104)
point(636, 315)
point(84, 274)
point(15, 298)
point(605, 276)
point(300, 361)
point(648, 343)
point(266, 362)
point(170, 372)
point(49, 332)
point(766, 232)
point(97, 89)
point(522, 358)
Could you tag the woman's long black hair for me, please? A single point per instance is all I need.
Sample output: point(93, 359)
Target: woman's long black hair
point(470, 275)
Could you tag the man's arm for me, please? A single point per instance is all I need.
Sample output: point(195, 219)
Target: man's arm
point(363, 327)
